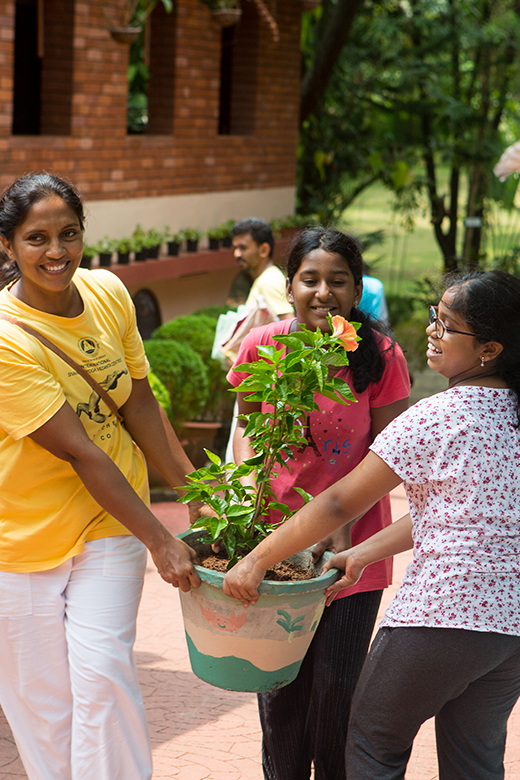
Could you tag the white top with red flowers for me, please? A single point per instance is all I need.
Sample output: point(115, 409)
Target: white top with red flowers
point(458, 454)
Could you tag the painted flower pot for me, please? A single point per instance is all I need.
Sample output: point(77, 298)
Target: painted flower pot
point(259, 648)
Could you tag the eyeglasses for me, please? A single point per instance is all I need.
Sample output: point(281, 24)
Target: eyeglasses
point(440, 327)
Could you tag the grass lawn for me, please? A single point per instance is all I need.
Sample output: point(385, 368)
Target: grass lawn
point(404, 256)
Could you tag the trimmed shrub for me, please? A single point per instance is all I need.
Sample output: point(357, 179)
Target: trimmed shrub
point(184, 376)
point(198, 332)
point(212, 311)
point(160, 392)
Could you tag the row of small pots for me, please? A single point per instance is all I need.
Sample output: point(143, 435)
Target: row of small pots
point(153, 253)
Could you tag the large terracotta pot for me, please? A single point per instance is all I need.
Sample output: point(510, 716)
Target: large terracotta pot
point(258, 648)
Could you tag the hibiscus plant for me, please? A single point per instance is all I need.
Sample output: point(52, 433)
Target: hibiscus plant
point(286, 380)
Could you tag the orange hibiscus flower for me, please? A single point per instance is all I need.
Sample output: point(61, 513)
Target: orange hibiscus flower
point(345, 332)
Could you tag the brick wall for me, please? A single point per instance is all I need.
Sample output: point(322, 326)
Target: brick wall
point(98, 154)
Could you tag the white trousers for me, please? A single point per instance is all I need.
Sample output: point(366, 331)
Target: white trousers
point(68, 681)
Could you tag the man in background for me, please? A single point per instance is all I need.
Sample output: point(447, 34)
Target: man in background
point(253, 246)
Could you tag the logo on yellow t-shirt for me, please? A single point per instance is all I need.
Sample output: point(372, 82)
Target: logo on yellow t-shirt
point(89, 347)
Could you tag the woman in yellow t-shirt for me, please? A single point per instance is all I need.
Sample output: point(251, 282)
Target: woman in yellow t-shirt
point(73, 497)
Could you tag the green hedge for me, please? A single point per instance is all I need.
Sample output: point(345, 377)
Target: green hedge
point(198, 332)
point(160, 392)
point(184, 376)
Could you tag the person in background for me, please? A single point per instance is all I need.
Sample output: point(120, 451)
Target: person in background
point(74, 497)
point(373, 300)
point(449, 644)
point(306, 721)
point(253, 246)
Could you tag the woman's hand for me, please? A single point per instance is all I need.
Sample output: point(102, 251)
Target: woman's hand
point(174, 561)
point(348, 563)
point(336, 542)
point(198, 509)
point(242, 581)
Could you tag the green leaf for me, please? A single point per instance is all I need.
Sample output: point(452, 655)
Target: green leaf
point(303, 493)
point(335, 359)
point(270, 352)
point(212, 457)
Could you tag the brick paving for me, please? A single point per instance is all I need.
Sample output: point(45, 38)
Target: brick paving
point(199, 732)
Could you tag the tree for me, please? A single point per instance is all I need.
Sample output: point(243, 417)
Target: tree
point(426, 82)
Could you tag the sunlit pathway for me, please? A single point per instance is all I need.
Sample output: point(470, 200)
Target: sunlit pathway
point(199, 732)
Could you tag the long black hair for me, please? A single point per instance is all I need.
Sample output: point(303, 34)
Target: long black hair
point(366, 363)
point(490, 303)
point(15, 203)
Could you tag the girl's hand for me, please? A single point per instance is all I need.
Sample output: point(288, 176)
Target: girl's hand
point(174, 560)
point(337, 542)
point(242, 581)
point(198, 509)
point(345, 561)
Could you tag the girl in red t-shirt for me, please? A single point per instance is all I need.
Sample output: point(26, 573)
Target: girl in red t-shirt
point(306, 721)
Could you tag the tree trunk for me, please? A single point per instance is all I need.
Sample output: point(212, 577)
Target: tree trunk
point(335, 28)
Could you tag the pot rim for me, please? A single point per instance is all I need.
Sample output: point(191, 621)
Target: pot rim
point(274, 587)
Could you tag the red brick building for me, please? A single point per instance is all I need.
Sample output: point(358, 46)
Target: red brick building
point(222, 124)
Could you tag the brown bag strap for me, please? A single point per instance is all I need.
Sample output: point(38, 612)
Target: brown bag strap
point(72, 363)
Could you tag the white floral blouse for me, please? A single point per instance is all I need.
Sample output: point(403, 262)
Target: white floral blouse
point(458, 454)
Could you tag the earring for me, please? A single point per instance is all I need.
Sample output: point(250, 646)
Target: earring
point(482, 362)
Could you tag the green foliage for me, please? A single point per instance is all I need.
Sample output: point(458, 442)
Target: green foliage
point(105, 246)
point(160, 392)
point(135, 15)
point(287, 385)
point(183, 374)
point(198, 332)
point(89, 250)
point(194, 330)
point(400, 308)
point(419, 85)
point(191, 234)
point(213, 311)
point(168, 235)
point(123, 244)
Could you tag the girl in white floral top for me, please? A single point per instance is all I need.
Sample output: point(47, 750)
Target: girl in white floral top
point(449, 645)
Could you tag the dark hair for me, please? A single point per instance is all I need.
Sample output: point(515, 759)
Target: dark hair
point(490, 303)
point(366, 363)
point(16, 202)
point(259, 230)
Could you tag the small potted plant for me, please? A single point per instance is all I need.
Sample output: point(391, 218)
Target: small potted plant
point(128, 24)
point(227, 235)
point(214, 238)
point(138, 240)
point(123, 247)
point(105, 249)
point(152, 242)
point(173, 241)
point(191, 236)
point(224, 12)
point(287, 383)
point(89, 251)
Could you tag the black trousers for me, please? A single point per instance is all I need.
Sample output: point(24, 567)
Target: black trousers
point(307, 720)
point(468, 680)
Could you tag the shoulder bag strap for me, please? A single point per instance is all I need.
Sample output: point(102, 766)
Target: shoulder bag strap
point(72, 363)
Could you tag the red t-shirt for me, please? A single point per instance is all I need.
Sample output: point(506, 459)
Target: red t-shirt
point(338, 439)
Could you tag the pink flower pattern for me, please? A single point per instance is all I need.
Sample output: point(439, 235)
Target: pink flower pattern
point(458, 454)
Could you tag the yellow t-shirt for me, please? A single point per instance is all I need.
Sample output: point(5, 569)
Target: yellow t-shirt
point(270, 285)
point(46, 513)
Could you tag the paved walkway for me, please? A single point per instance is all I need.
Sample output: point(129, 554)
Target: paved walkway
point(203, 733)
